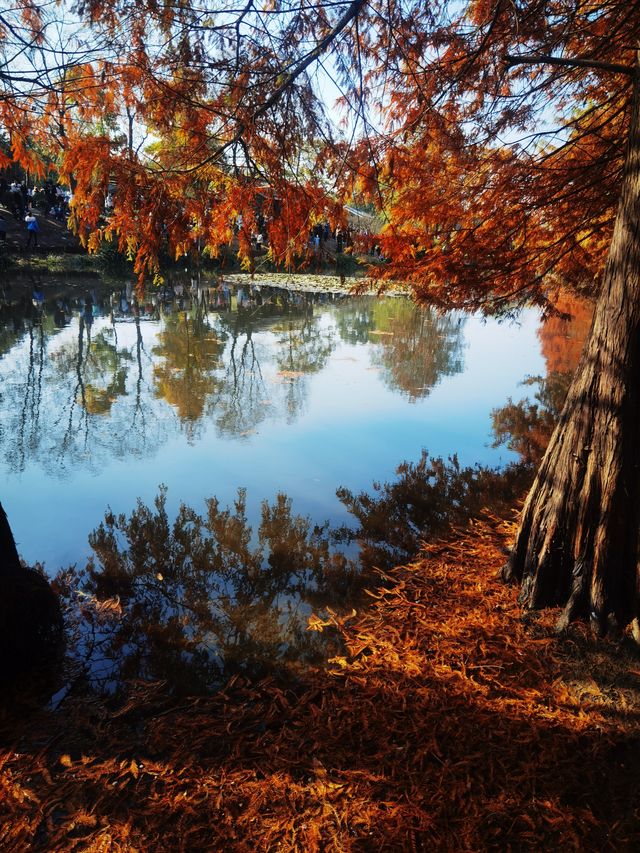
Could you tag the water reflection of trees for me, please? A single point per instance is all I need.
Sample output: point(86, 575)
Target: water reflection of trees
point(71, 394)
point(304, 347)
point(197, 600)
point(355, 320)
point(230, 357)
point(241, 401)
point(413, 347)
point(22, 389)
point(418, 347)
point(562, 335)
point(215, 360)
point(189, 353)
point(526, 426)
point(279, 329)
point(105, 379)
point(15, 317)
point(22, 321)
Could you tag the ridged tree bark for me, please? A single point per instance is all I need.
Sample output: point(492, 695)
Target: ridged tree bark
point(578, 543)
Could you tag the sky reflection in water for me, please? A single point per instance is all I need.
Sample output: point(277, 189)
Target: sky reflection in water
point(250, 386)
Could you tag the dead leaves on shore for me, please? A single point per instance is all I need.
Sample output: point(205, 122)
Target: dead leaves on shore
point(449, 723)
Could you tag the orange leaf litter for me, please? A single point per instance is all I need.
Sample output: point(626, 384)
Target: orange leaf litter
point(451, 723)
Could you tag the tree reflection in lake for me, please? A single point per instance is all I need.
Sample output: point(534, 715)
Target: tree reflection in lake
point(197, 599)
point(205, 596)
point(417, 348)
point(242, 400)
point(304, 349)
point(526, 426)
point(71, 393)
point(425, 500)
point(121, 379)
point(189, 354)
point(414, 349)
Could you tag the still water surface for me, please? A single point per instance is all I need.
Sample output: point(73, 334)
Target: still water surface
point(241, 386)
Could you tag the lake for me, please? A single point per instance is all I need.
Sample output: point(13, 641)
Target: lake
point(236, 385)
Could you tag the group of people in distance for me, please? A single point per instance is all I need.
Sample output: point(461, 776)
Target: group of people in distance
point(321, 233)
point(49, 197)
point(22, 201)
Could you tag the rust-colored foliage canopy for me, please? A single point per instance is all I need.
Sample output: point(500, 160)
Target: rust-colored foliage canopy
point(449, 723)
point(496, 176)
point(500, 176)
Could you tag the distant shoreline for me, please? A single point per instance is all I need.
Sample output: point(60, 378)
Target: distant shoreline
point(312, 282)
point(78, 265)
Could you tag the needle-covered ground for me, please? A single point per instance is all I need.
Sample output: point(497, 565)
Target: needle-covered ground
point(451, 723)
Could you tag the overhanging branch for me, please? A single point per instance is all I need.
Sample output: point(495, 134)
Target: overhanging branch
point(351, 12)
point(576, 62)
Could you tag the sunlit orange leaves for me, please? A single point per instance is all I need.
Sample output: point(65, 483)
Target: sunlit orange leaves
point(448, 722)
point(497, 178)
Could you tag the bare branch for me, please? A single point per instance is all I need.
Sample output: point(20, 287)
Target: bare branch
point(575, 62)
point(288, 80)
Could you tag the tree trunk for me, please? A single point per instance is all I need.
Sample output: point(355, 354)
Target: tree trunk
point(31, 624)
point(579, 539)
point(9, 560)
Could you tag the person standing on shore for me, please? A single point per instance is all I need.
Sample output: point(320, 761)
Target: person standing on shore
point(32, 229)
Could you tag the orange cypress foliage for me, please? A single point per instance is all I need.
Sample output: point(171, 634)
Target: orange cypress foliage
point(495, 173)
point(233, 91)
point(227, 102)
